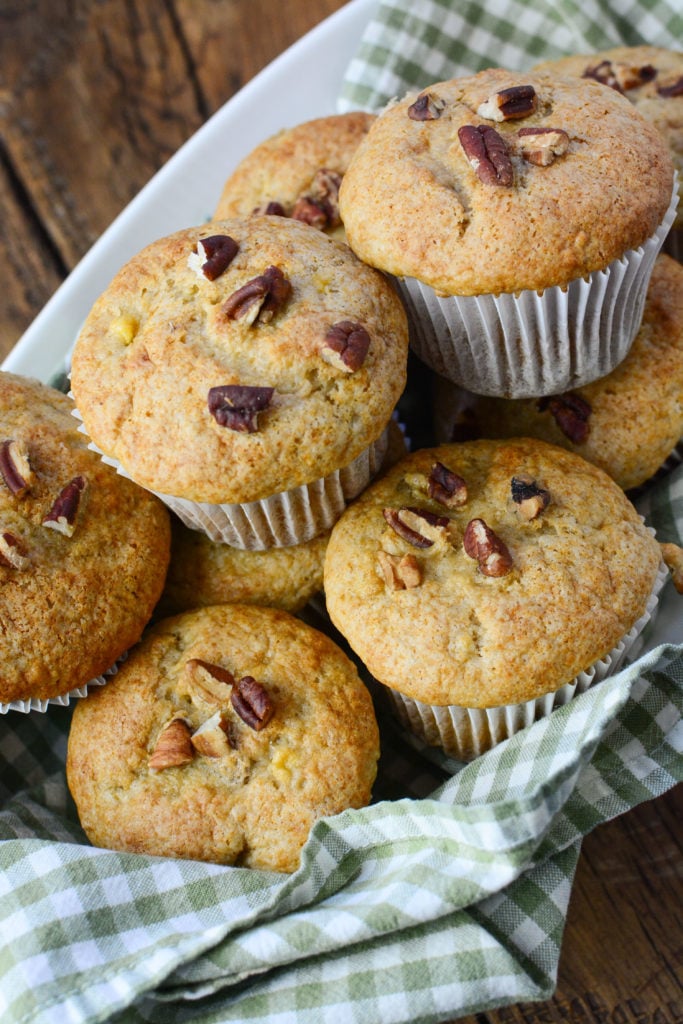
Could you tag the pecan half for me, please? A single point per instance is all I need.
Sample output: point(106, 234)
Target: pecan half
point(571, 413)
point(209, 683)
point(530, 499)
point(319, 207)
point(11, 552)
point(540, 146)
point(620, 76)
point(673, 557)
point(252, 703)
point(671, 90)
point(62, 515)
point(509, 104)
point(486, 547)
point(346, 345)
point(427, 107)
point(446, 487)
point(173, 747)
point(311, 212)
point(215, 253)
point(400, 572)
point(260, 298)
point(15, 467)
point(237, 406)
point(211, 738)
point(413, 524)
point(487, 153)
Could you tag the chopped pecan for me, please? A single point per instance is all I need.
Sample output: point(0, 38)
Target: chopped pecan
point(446, 487)
point(604, 73)
point(620, 76)
point(413, 524)
point(319, 207)
point(173, 746)
point(11, 552)
point(540, 146)
point(15, 467)
point(673, 557)
point(346, 345)
point(530, 499)
point(208, 682)
point(270, 209)
point(672, 89)
point(260, 298)
point(401, 572)
point(211, 738)
point(427, 107)
point(509, 104)
point(214, 254)
point(252, 703)
point(571, 413)
point(486, 547)
point(487, 153)
point(237, 405)
point(309, 211)
point(62, 515)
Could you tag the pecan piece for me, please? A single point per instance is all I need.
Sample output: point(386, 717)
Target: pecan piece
point(530, 499)
point(620, 76)
point(270, 209)
point(604, 73)
point(173, 746)
point(260, 298)
point(671, 90)
point(540, 146)
point(319, 207)
point(487, 153)
point(446, 487)
point(15, 467)
point(237, 405)
point(400, 572)
point(252, 703)
point(346, 345)
point(673, 557)
point(211, 738)
point(509, 104)
point(62, 515)
point(571, 413)
point(210, 683)
point(214, 254)
point(409, 523)
point(427, 107)
point(486, 547)
point(11, 552)
point(309, 211)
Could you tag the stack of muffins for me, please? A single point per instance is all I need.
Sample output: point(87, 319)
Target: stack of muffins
point(247, 375)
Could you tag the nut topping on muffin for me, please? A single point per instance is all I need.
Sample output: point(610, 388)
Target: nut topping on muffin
point(509, 104)
point(15, 467)
point(173, 747)
point(62, 515)
point(237, 405)
point(250, 700)
point(530, 499)
point(260, 298)
point(620, 76)
point(213, 256)
point(210, 683)
point(400, 572)
point(417, 526)
point(540, 146)
point(446, 487)
point(487, 151)
point(11, 552)
point(427, 107)
point(486, 547)
point(671, 90)
point(571, 413)
point(346, 345)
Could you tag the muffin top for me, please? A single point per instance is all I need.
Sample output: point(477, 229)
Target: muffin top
point(627, 422)
point(651, 77)
point(487, 573)
point(205, 572)
point(225, 370)
point(504, 181)
point(83, 552)
point(226, 734)
point(297, 172)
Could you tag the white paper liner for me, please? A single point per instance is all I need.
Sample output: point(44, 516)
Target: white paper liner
point(34, 704)
point(280, 520)
point(465, 733)
point(530, 344)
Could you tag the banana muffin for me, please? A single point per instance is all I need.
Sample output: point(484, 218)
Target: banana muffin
point(227, 733)
point(83, 552)
point(629, 423)
point(245, 371)
point(485, 582)
point(521, 214)
point(297, 172)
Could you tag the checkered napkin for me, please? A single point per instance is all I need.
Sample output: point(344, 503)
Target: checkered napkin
point(448, 895)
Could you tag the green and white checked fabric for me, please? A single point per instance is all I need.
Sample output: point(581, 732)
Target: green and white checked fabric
point(448, 895)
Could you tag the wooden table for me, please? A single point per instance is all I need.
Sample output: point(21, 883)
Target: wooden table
point(95, 96)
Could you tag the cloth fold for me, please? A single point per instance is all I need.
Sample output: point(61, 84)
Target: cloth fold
point(449, 894)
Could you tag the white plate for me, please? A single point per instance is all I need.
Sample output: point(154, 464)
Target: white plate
point(302, 83)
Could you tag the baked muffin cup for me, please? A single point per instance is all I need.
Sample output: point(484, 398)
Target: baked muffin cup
point(465, 733)
point(530, 344)
point(290, 517)
point(63, 699)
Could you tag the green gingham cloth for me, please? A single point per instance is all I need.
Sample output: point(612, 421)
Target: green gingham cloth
point(448, 895)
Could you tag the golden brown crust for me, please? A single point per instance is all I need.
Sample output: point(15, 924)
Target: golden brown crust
point(81, 600)
point(413, 204)
point(255, 804)
point(143, 395)
point(636, 412)
point(581, 573)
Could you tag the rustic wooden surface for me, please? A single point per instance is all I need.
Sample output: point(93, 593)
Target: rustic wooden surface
point(95, 95)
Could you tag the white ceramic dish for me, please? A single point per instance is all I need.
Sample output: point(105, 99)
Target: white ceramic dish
point(302, 83)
